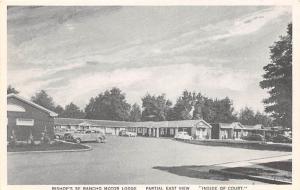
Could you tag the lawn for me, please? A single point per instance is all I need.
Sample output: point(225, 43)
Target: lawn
point(256, 145)
point(56, 145)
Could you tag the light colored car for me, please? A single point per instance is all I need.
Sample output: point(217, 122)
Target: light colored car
point(87, 136)
point(182, 135)
point(127, 133)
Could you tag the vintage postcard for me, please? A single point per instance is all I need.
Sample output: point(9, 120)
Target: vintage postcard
point(156, 96)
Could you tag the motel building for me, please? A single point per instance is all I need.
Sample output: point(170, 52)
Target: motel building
point(26, 119)
point(233, 130)
point(199, 129)
point(254, 130)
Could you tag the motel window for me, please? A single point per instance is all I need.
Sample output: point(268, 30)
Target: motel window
point(24, 122)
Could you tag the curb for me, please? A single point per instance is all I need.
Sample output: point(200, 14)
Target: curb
point(255, 178)
point(246, 145)
point(88, 148)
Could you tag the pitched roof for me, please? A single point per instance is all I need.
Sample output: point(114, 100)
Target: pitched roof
point(51, 113)
point(73, 121)
point(237, 125)
point(226, 125)
point(253, 127)
point(149, 124)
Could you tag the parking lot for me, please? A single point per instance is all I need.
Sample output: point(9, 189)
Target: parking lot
point(124, 160)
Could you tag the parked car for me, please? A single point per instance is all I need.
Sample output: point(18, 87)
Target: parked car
point(254, 137)
point(126, 133)
point(282, 139)
point(60, 134)
point(86, 136)
point(183, 136)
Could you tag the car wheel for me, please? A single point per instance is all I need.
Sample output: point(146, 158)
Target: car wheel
point(99, 140)
point(57, 137)
point(78, 140)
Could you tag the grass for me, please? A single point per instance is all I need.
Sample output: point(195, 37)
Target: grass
point(57, 145)
point(278, 170)
point(280, 165)
point(200, 172)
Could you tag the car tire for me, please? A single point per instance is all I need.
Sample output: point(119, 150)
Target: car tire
point(78, 140)
point(57, 137)
point(99, 140)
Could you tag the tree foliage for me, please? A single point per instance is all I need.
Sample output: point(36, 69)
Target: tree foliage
point(248, 117)
point(193, 105)
point(72, 111)
point(58, 109)
point(155, 108)
point(278, 80)
point(135, 113)
point(43, 99)
point(183, 109)
point(110, 105)
point(11, 89)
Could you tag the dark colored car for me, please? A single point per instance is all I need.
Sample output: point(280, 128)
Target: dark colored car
point(255, 137)
point(67, 137)
point(281, 139)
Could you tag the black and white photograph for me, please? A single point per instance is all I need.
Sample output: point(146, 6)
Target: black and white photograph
point(185, 95)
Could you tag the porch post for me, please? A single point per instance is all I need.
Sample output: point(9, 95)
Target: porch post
point(157, 132)
point(176, 131)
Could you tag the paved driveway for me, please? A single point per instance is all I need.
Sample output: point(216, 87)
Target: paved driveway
point(125, 160)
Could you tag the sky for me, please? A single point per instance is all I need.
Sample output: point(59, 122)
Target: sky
point(75, 53)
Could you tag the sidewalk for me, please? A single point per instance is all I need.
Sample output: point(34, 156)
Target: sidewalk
point(257, 169)
point(255, 161)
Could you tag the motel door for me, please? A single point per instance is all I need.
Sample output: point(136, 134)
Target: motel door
point(237, 134)
point(199, 133)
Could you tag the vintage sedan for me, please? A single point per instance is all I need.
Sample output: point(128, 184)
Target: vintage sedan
point(282, 139)
point(86, 136)
point(182, 135)
point(126, 133)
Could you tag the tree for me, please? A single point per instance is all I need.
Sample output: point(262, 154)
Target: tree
point(278, 80)
point(224, 111)
point(247, 116)
point(11, 89)
point(72, 111)
point(110, 105)
point(43, 99)
point(58, 109)
point(263, 119)
point(183, 109)
point(192, 105)
point(135, 113)
point(155, 108)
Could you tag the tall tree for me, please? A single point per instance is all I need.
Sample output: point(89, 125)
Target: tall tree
point(110, 105)
point(155, 108)
point(72, 111)
point(58, 109)
point(43, 99)
point(224, 111)
point(278, 80)
point(11, 89)
point(135, 113)
point(263, 119)
point(247, 116)
point(183, 109)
